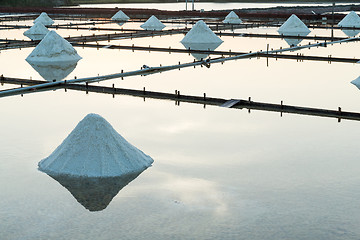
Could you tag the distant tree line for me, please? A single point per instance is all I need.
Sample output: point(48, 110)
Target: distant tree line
point(37, 3)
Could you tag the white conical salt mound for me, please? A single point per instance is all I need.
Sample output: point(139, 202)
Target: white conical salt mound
point(294, 26)
point(350, 20)
point(44, 19)
point(201, 33)
point(95, 149)
point(356, 82)
point(53, 48)
point(232, 18)
point(153, 24)
point(120, 16)
point(37, 32)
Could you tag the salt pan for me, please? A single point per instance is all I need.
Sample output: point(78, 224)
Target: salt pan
point(37, 32)
point(95, 149)
point(201, 33)
point(53, 48)
point(294, 26)
point(153, 24)
point(120, 16)
point(44, 19)
point(232, 18)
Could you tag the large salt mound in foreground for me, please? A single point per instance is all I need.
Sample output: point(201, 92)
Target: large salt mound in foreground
point(294, 26)
point(232, 18)
point(44, 19)
point(350, 20)
point(201, 33)
point(53, 48)
point(153, 24)
point(95, 149)
point(120, 16)
point(37, 32)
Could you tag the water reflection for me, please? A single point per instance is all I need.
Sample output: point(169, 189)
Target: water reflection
point(54, 71)
point(350, 33)
point(120, 23)
point(295, 41)
point(94, 193)
point(356, 82)
point(202, 47)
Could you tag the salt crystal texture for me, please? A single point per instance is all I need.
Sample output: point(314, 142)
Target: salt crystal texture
point(53, 48)
point(356, 82)
point(294, 26)
point(120, 16)
point(350, 20)
point(37, 32)
point(153, 24)
point(201, 33)
point(232, 18)
point(95, 149)
point(44, 19)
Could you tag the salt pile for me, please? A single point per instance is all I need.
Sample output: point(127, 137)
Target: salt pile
point(54, 71)
point(350, 20)
point(44, 19)
point(95, 149)
point(53, 48)
point(356, 82)
point(201, 33)
point(94, 193)
point(120, 16)
point(36, 32)
point(152, 24)
point(294, 26)
point(232, 18)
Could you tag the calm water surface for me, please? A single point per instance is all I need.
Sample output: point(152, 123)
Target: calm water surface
point(218, 173)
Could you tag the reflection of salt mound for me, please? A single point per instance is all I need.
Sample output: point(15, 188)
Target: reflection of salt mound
point(232, 18)
point(120, 16)
point(201, 33)
point(293, 27)
point(356, 82)
point(36, 32)
point(294, 41)
point(350, 20)
point(53, 48)
point(95, 149)
point(152, 24)
point(44, 19)
point(94, 193)
point(350, 33)
point(53, 71)
point(202, 47)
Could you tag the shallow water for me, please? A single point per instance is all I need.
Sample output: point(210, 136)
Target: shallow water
point(218, 173)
